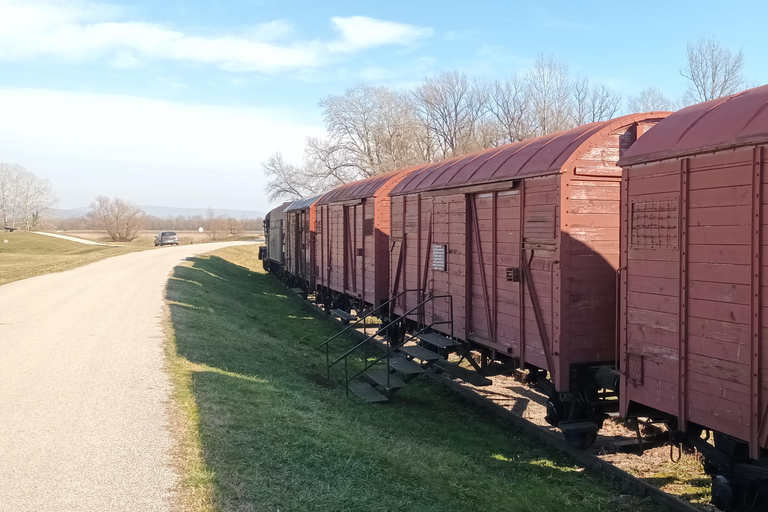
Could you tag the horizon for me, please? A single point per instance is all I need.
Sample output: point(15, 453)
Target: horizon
point(179, 103)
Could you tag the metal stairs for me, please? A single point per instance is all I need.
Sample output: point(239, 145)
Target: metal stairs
point(393, 366)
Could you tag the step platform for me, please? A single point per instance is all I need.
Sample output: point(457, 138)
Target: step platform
point(469, 376)
point(404, 366)
point(297, 291)
point(366, 392)
point(343, 315)
point(420, 353)
point(438, 340)
point(379, 377)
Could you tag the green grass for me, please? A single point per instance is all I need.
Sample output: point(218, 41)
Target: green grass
point(262, 430)
point(28, 254)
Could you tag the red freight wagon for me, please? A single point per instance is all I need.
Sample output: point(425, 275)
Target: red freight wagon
point(525, 237)
point(300, 219)
point(352, 243)
point(693, 276)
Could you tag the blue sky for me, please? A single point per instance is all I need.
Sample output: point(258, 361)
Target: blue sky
point(177, 102)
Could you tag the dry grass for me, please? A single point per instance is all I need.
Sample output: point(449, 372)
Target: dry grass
point(266, 431)
point(24, 255)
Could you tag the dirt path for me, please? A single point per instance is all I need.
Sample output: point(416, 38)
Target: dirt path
point(83, 392)
point(73, 239)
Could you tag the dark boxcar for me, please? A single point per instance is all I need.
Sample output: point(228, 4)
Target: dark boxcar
point(273, 258)
point(299, 243)
point(525, 238)
point(352, 242)
point(693, 283)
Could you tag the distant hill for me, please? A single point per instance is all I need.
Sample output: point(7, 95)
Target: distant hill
point(164, 211)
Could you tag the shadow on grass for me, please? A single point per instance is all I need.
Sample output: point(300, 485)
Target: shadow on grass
point(278, 435)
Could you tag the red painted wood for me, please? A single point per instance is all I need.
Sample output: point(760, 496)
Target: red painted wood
point(713, 343)
point(567, 220)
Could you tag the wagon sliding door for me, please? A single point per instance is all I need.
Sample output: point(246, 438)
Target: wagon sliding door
point(449, 232)
point(353, 249)
point(493, 298)
point(540, 311)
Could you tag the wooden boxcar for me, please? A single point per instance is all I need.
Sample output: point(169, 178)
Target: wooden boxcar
point(299, 243)
point(352, 242)
point(693, 273)
point(273, 257)
point(525, 238)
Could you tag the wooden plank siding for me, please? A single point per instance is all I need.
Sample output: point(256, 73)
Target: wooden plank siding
point(568, 225)
point(352, 238)
point(700, 339)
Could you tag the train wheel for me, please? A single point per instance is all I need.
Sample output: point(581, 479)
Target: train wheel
point(580, 440)
point(722, 492)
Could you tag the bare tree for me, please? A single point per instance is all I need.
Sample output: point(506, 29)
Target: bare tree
point(648, 100)
point(549, 91)
point(23, 196)
point(121, 219)
point(372, 127)
point(712, 71)
point(508, 105)
point(286, 180)
point(34, 198)
point(328, 164)
point(8, 192)
point(234, 226)
point(592, 103)
point(449, 107)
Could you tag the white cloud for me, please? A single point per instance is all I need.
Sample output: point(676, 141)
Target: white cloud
point(84, 32)
point(149, 151)
point(361, 32)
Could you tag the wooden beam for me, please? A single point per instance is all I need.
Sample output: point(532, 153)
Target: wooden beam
point(756, 303)
point(682, 361)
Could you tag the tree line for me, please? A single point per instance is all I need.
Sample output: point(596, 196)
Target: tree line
point(375, 129)
point(24, 197)
point(122, 220)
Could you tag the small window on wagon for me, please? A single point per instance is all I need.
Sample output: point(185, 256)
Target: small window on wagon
point(654, 224)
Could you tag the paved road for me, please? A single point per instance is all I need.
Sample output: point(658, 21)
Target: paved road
point(73, 238)
point(84, 421)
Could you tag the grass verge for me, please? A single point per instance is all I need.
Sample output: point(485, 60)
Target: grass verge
point(28, 254)
point(262, 429)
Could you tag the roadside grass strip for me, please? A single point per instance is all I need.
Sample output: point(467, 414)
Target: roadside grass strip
point(262, 429)
point(29, 254)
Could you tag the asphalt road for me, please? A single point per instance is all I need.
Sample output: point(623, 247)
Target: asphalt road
point(84, 397)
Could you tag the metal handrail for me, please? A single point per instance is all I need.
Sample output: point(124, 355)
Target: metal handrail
point(390, 350)
point(359, 319)
point(382, 329)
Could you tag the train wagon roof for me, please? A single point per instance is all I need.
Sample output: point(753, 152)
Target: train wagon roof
point(367, 187)
point(531, 157)
point(277, 213)
point(302, 203)
point(731, 121)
